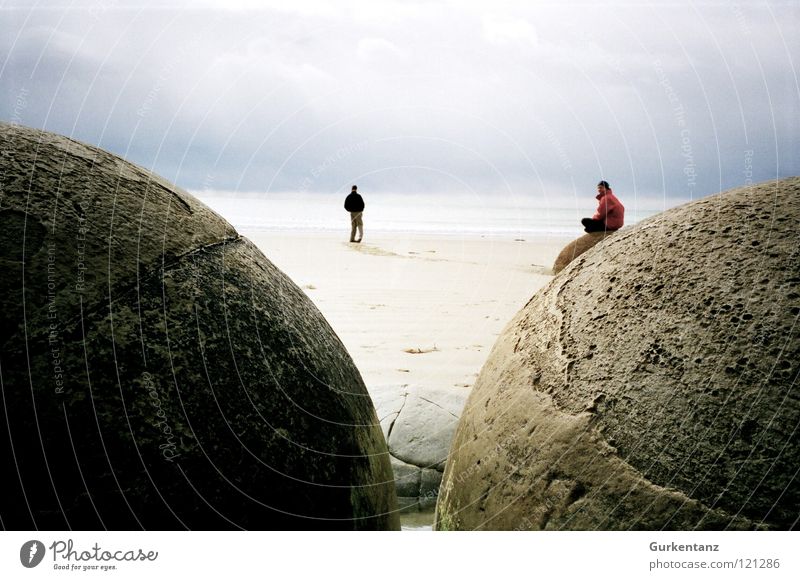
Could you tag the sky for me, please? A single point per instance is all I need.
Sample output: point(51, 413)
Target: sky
point(665, 100)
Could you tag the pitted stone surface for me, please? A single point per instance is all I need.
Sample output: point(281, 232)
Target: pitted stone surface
point(652, 384)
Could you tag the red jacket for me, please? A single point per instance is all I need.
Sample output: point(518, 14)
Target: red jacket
point(610, 210)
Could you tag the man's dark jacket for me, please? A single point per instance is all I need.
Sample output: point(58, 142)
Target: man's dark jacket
point(354, 202)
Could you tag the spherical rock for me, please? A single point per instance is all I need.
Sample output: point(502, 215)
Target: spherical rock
point(577, 247)
point(651, 385)
point(158, 371)
point(423, 429)
point(419, 427)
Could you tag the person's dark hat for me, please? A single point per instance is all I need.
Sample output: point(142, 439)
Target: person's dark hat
point(605, 184)
point(355, 187)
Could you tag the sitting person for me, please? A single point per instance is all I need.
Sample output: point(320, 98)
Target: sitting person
point(610, 214)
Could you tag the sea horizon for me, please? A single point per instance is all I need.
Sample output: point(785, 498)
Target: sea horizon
point(426, 214)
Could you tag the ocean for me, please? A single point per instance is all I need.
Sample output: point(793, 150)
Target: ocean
point(448, 214)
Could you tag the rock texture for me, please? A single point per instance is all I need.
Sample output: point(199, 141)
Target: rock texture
point(651, 385)
point(577, 247)
point(419, 426)
point(422, 431)
point(158, 371)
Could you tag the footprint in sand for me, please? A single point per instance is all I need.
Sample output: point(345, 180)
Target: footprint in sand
point(376, 251)
point(372, 250)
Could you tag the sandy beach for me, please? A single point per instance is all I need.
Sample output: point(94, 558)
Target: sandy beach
point(421, 312)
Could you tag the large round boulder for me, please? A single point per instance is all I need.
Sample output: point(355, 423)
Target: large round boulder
point(158, 371)
point(577, 247)
point(651, 385)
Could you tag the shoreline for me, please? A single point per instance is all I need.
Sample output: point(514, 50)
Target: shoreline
point(342, 233)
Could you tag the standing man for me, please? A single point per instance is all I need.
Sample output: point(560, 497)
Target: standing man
point(610, 214)
point(354, 203)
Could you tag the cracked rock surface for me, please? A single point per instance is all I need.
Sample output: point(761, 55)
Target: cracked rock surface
point(419, 427)
point(158, 371)
point(651, 385)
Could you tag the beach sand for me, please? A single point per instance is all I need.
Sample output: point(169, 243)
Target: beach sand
point(421, 312)
point(419, 315)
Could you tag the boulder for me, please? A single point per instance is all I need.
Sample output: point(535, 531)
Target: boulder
point(430, 481)
point(652, 385)
point(577, 247)
point(423, 429)
point(406, 479)
point(158, 371)
point(419, 426)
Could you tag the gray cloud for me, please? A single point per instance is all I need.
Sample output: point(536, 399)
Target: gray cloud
point(661, 100)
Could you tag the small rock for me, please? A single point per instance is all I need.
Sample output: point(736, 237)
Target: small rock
point(406, 478)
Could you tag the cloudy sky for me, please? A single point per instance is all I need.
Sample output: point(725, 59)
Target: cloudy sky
point(669, 100)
